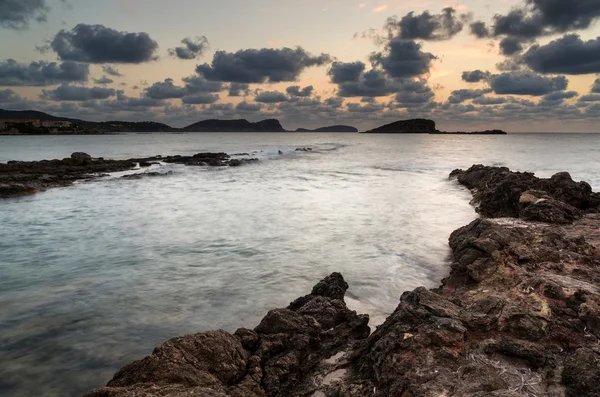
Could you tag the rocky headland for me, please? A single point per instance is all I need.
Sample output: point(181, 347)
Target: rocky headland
point(21, 178)
point(424, 126)
point(518, 315)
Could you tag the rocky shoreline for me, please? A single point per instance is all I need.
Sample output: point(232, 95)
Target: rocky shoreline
point(21, 178)
point(519, 315)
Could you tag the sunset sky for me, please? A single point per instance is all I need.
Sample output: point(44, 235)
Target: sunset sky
point(519, 65)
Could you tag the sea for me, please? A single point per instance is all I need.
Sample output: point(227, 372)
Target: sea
point(95, 275)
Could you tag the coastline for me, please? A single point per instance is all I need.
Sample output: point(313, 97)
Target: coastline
point(519, 315)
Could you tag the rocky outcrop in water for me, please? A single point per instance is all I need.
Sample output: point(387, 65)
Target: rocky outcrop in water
point(498, 192)
point(21, 178)
point(424, 126)
point(518, 315)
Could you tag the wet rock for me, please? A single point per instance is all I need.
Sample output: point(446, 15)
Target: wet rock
point(146, 175)
point(498, 192)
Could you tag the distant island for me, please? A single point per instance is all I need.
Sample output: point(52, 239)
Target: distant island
point(333, 128)
point(423, 126)
point(32, 122)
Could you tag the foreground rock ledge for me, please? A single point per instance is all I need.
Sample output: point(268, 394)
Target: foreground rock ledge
point(519, 315)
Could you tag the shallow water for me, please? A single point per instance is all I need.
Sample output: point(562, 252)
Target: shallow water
point(95, 275)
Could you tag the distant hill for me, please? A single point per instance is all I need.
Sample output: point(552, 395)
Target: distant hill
point(270, 125)
point(333, 128)
point(35, 115)
point(424, 126)
point(414, 126)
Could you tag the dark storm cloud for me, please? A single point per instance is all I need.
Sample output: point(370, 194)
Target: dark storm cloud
point(510, 46)
point(346, 72)
point(459, 96)
point(75, 93)
point(41, 73)
point(99, 44)
point(479, 29)
point(567, 55)
point(403, 58)
point(111, 71)
point(192, 48)
point(295, 90)
point(248, 107)
point(197, 84)
point(334, 102)
point(260, 66)
point(526, 83)
point(103, 81)
point(427, 26)
point(475, 76)
point(239, 89)
point(202, 98)
point(165, 90)
point(17, 14)
point(271, 97)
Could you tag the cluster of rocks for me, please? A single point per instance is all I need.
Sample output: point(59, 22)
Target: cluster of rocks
point(498, 192)
point(20, 178)
point(519, 315)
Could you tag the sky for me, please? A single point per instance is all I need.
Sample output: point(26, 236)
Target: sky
point(517, 65)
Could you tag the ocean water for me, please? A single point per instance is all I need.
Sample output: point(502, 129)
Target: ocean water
point(95, 275)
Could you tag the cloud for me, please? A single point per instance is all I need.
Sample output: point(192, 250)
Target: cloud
point(111, 71)
point(17, 14)
point(403, 58)
point(487, 101)
point(192, 48)
point(203, 98)
point(99, 44)
point(196, 84)
point(590, 98)
point(475, 76)
point(260, 66)
point(239, 89)
point(459, 96)
point(296, 91)
point(249, 107)
point(346, 72)
point(560, 95)
point(479, 29)
point(42, 73)
point(103, 81)
point(8, 95)
point(271, 97)
point(374, 83)
point(413, 93)
point(427, 26)
point(165, 90)
point(538, 18)
point(510, 46)
point(567, 55)
point(596, 86)
point(75, 93)
point(526, 83)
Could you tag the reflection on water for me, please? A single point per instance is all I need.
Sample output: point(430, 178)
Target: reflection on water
point(95, 275)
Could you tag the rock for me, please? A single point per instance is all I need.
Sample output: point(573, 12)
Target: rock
point(80, 158)
point(146, 175)
point(498, 192)
point(551, 211)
